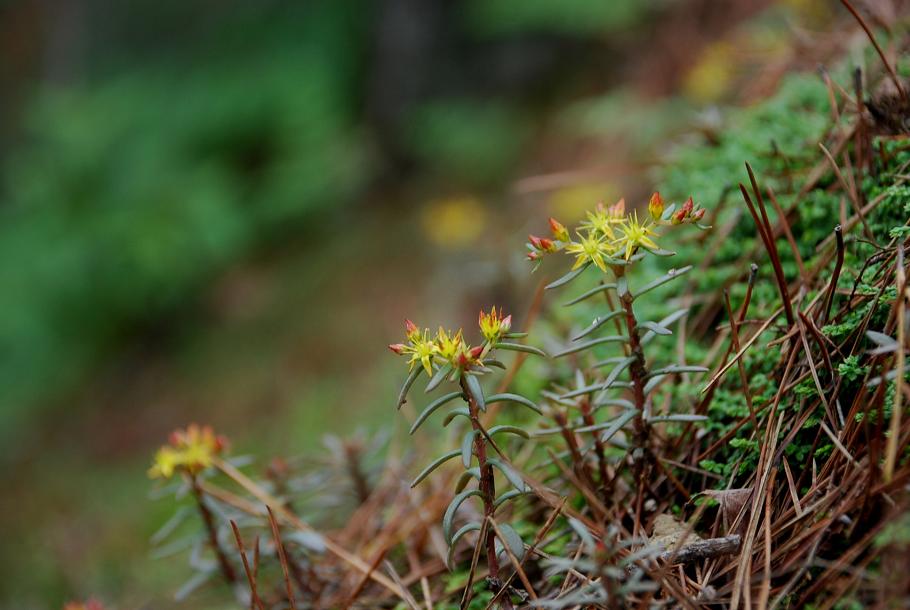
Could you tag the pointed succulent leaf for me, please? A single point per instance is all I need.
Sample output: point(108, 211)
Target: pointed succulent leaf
point(515, 335)
point(470, 527)
point(476, 391)
point(466, 476)
point(582, 530)
point(412, 377)
point(622, 286)
point(521, 347)
point(495, 363)
point(652, 383)
point(433, 466)
point(617, 424)
point(431, 408)
point(614, 402)
point(670, 319)
point(580, 347)
point(885, 344)
point(438, 378)
point(506, 429)
point(597, 323)
point(509, 495)
point(616, 372)
point(671, 275)
point(677, 368)
point(449, 517)
point(512, 540)
point(510, 473)
point(466, 444)
point(655, 328)
point(455, 413)
point(571, 275)
point(677, 417)
point(516, 398)
point(589, 293)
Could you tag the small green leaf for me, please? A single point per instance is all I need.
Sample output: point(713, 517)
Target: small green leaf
point(589, 293)
point(591, 343)
point(671, 275)
point(509, 495)
point(412, 377)
point(582, 532)
point(438, 377)
point(678, 417)
point(594, 387)
point(432, 407)
point(653, 382)
point(433, 466)
point(476, 391)
point(506, 429)
point(470, 527)
point(466, 476)
point(616, 372)
point(495, 363)
point(520, 347)
point(510, 473)
point(655, 328)
point(670, 319)
point(515, 335)
point(614, 402)
point(597, 323)
point(466, 443)
point(677, 368)
point(516, 398)
point(571, 275)
point(617, 424)
point(449, 515)
point(455, 413)
point(512, 540)
point(622, 286)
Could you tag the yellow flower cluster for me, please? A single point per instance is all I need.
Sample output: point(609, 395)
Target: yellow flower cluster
point(609, 233)
point(190, 450)
point(449, 347)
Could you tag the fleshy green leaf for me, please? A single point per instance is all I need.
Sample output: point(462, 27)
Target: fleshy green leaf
point(455, 413)
point(509, 495)
point(671, 275)
point(449, 515)
point(512, 540)
point(678, 368)
point(653, 382)
point(470, 527)
point(670, 319)
point(589, 293)
point(506, 429)
point(466, 443)
point(591, 343)
point(571, 275)
point(412, 377)
point(466, 476)
point(655, 328)
point(678, 417)
point(433, 466)
point(510, 473)
point(432, 407)
point(617, 424)
point(520, 347)
point(438, 377)
point(476, 391)
point(597, 323)
point(516, 398)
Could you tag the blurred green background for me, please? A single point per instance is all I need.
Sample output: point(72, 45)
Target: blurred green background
point(222, 211)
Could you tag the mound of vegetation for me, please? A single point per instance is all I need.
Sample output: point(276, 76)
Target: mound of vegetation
point(725, 425)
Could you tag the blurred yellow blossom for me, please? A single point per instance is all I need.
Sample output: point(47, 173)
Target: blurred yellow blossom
point(454, 222)
point(192, 449)
point(493, 325)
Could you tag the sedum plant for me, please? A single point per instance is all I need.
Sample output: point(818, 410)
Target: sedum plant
point(447, 359)
point(614, 243)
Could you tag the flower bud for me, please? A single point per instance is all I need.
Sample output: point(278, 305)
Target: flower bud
point(398, 348)
point(559, 230)
point(656, 206)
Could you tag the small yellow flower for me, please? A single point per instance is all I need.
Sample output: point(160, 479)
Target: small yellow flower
point(602, 219)
point(191, 450)
point(419, 347)
point(447, 344)
point(493, 325)
point(634, 234)
point(592, 248)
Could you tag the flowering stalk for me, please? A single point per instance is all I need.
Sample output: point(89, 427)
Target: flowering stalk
point(447, 357)
point(613, 241)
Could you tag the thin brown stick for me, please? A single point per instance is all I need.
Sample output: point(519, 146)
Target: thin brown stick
point(279, 546)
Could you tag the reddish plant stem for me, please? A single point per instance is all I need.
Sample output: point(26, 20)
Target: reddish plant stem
point(605, 487)
point(226, 569)
point(487, 485)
